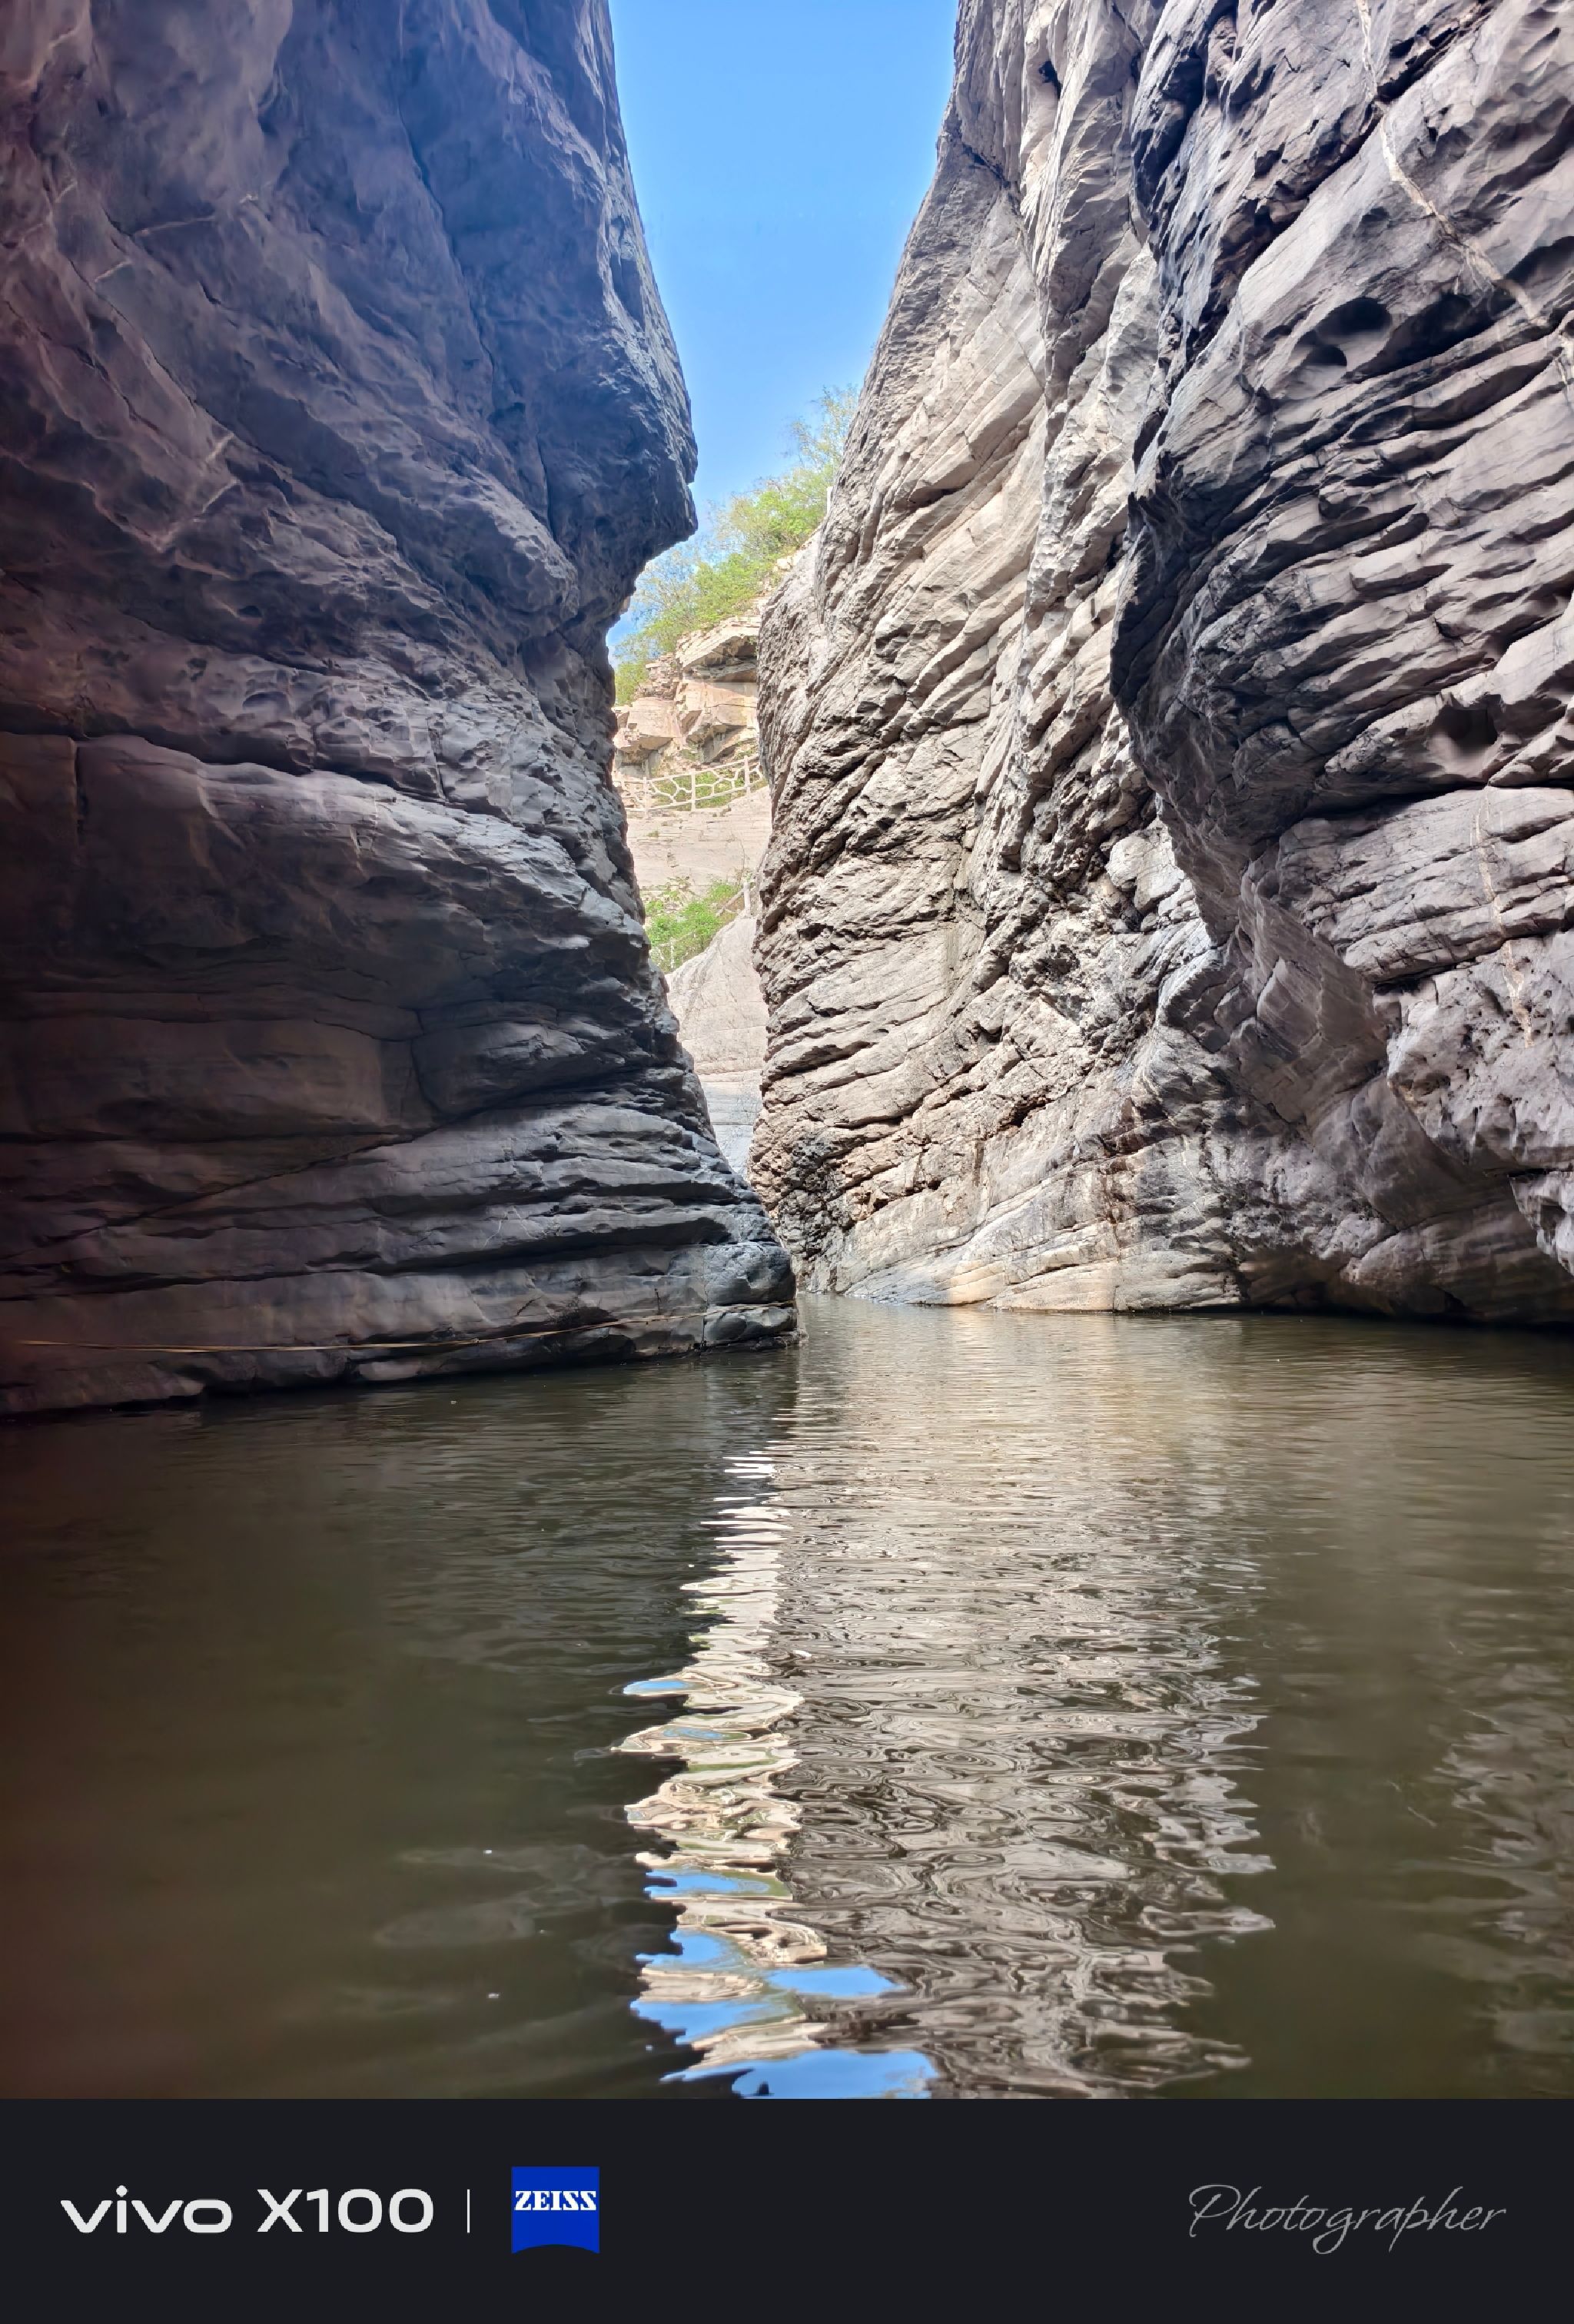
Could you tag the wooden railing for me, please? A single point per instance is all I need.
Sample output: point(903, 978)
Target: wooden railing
point(689, 783)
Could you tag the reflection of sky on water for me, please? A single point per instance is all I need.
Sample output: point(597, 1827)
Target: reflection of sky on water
point(746, 1985)
point(1097, 1707)
point(1075, 1704)
point(950, 1580)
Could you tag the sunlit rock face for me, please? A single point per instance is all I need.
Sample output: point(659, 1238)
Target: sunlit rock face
point(695, 711)
point(721, 1017)
point(1171, 894)
point(337, 414)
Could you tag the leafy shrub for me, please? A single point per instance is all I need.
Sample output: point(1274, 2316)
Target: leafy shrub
point(680, 924)
point(724, 569)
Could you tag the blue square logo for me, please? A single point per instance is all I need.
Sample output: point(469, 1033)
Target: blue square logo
point(557, 2207)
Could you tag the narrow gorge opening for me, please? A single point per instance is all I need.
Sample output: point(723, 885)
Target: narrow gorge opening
point(853, 851)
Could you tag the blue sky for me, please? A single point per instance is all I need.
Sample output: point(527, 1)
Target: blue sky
point(780, 150)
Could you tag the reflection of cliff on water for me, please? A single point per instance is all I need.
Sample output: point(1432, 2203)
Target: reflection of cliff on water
point(1073, 1703)
point(1022, 1730)
point(1102, 1705)
point(961, 1704)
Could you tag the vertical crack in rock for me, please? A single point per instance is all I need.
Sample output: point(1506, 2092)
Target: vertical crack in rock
point(337, 414)
point(1170, 900)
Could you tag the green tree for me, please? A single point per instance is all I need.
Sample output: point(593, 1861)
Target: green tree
point(724, 569)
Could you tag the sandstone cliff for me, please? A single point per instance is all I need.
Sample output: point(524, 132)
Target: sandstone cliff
point(692, 724)
point(687, 760)
point(1171, 901)
point(337, 414)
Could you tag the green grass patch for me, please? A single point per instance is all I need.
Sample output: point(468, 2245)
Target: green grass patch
point(681, 923)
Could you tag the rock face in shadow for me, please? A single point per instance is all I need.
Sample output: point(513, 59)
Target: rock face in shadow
point(1171, 900)
point(337, 414)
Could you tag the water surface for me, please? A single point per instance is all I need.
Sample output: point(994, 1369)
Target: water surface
point(958, 1705)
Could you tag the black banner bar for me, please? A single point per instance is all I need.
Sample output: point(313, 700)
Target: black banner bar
point(188, 2198)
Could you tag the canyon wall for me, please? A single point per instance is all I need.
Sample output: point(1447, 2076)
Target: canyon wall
point(337, 414)
point(1170, 900)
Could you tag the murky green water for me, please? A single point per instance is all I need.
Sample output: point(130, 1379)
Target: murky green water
point(960, 1703)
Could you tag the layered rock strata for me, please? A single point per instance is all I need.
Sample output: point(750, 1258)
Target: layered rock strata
point(1171, 895)
point(337, 414)
point(695, 713)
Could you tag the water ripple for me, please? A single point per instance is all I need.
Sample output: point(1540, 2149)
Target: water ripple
point(959, 1731)
point(1065, 1705)
point(746, 1985)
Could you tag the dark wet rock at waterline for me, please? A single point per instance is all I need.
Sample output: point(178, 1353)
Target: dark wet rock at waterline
point(338, 413)
point(1171, 895)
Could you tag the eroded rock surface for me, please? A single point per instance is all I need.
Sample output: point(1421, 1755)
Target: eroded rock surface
point(1169, 902)
point(692, 724)
point(338, 413)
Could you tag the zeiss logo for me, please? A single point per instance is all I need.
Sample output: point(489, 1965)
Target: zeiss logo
point(557, 2207)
